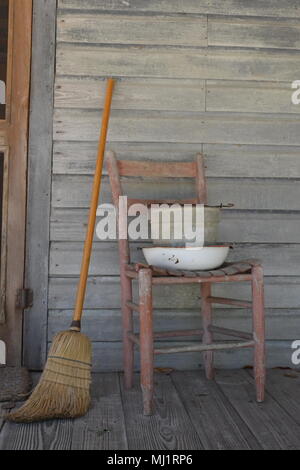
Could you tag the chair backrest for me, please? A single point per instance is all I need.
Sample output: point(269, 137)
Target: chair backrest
point(118, 168)
point(195, 169)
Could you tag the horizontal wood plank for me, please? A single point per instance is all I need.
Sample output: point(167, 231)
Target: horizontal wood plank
point(177, 95)
point(108, 357)
point(256, 194)
point(221, 160)
point(114, 29)
point(65, 257)
point(201, 63)
point(252, 161)
point(155, 126)
point(290, 8)
point(250, 97)
point(104, 292)
point(236, 226)
point(106, 325)
point(131, 93)
point(79, 157)
point(281, 33)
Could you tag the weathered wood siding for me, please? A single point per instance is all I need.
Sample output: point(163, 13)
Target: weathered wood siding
point(192, 76)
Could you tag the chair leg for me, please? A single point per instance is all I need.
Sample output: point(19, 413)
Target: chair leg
point(259, 331)
point(128, 346)
point(146, 339)
point(207, 335)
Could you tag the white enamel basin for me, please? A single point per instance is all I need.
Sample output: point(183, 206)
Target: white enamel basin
point(189, 258)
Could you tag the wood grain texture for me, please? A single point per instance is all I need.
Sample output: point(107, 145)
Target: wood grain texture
point(106, 324)
point(274, 428)
point(52, 435)
point(19, 52)
point(79, 157)
point(3, 136)
point(250, 97)
point(202, 63)
point(108, 357)
point(254, 32)
point(283, 386)
point(267, 194)
point(159, 169)
point(217, 423)
point(221, 160)
point(228, 7)
point(4, 206)
point(157, 432)
point(96, 28)
point(131, 93)
point(40, 152)
point(155, 126)
point(241, 118)
point(104, 292)
point(69, 224)
point(251, 161)
point(3, 412)
point(94, 198)
point(65, 257)
point(103, 428)
point(191, 413)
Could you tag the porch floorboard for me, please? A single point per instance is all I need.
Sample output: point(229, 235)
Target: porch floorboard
point(191, 413)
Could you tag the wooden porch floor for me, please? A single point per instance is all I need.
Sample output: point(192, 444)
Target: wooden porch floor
point(192, 413)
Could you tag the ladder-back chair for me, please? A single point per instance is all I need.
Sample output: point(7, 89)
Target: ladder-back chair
point(149, 276)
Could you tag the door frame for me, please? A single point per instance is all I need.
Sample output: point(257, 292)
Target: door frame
point(35, 330)
point(14, 144)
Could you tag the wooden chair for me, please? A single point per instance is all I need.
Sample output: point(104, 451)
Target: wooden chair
point(149, 276)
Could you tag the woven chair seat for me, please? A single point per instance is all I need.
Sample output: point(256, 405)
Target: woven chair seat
point(228, 269)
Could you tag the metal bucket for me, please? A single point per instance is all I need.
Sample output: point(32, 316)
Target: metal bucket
point(211, 229)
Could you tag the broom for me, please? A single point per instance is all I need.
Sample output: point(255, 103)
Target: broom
point(64, 388)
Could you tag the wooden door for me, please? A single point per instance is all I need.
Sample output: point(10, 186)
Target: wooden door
point(15, 56)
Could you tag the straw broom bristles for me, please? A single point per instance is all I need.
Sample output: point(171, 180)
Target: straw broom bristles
point(64, 388)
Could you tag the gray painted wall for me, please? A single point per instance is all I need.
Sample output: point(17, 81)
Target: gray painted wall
point(192, 76)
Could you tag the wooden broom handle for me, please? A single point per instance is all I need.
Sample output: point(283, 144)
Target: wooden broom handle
point(76, 324)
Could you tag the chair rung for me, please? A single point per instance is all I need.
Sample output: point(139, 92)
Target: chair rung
point(133, 306)
point(177, 333)
point(228, 332)
point(205, 347)
point(167, 334)
point(225, 301)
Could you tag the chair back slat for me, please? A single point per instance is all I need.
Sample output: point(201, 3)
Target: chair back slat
point(149, 202)
point(118, 168)
point(158, 169)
